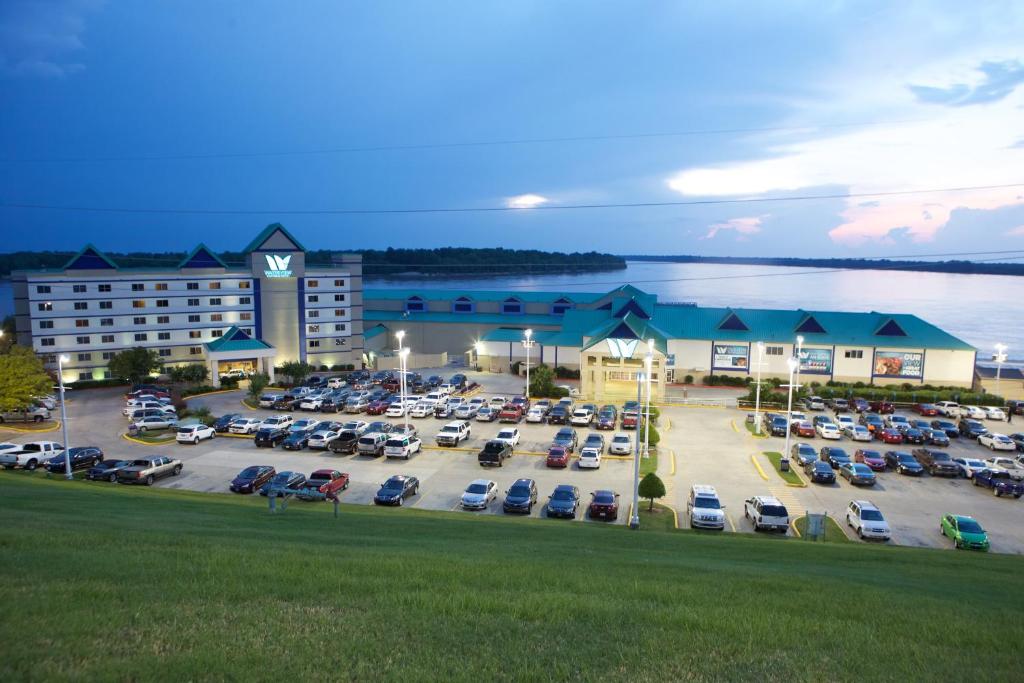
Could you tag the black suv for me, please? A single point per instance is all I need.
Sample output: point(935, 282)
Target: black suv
point(270, 437)
point(521, 497)
point(972, 429)
point(558, 415)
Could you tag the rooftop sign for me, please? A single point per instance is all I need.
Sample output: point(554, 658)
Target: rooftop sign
point(278, 266)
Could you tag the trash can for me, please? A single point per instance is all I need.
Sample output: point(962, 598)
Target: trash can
point(784, 464)
point(750, 418)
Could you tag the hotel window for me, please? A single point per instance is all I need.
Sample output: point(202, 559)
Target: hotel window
point(163, 320)
point(214, 285)
point(163, 336)
point(103, 288)
point(313, 314)
point(46, 324)
point(244, 284)
point(247, 330)
point(107, 339)
point(339, 312)
point(193, 318)
point(339, 327)
point(339, 342)
point(313, 298)
point(461, 305)
point(42, 289)
point(141, 336)
point(339, 297)
point(217, 333)
point(50, 358)
point(193, 302)
point(312, 283)
point(81, 305)
point(82, 323)
point(339, 283)
point(313, 329)
point(773, 351)
point(191, 285)
point(245, 316)
point(138, 287)
point(107, 355)
point(46, 341)
point(161, 303)
point(164, 353)
point(83, 340)
point(78, 289)
point(195, 334)
point(195, 350)
point(244, 300)
point(215, 302)
point(106, 305)
point(853, 353)
point(87, 375)
point(314, 343)
point(415, 303)
point(106, 322)
point(139, 303)
point(216, 317)
point(84, 357)
point(139, 321)
point(161, 287)
point(512, 305)
point(46, 306)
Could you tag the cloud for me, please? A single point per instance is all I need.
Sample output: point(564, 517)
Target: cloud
point(749, 225)
point(525, 201)
point(999, 79)
point(37, 38)
point(1016, 232)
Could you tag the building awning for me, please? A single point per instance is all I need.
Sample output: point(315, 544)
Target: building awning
point(235, 340)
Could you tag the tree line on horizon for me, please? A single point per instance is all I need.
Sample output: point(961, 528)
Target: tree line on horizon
point(950, 266)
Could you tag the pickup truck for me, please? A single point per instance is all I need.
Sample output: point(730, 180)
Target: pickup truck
point(937, 462)
point(453, 433)
point(30, 455)
point(345, 443)
point(401, 446)
point(149, 469)
point(33, 414)
point(323, 483)
point(494, 453)
point(1000, 481)
point(510, 413)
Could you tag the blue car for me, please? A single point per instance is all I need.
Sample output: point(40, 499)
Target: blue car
point(283, 484)
point(564, 501)
point(296, 441)
point(937, 437)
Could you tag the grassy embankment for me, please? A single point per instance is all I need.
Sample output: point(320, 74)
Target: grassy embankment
point(120, 583)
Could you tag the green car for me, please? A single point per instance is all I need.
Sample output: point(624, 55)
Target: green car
point(965, 532)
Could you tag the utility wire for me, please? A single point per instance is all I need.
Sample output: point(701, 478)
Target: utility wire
point(492, 209)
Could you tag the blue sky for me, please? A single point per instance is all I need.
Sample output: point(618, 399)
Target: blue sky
point(941, 83)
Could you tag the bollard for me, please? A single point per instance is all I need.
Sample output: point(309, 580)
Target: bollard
point(272, 502)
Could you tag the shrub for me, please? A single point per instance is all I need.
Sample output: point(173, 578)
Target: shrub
point(323, 368)
point(337, 368)
point(652, 437)
point(96, 383)
point(651, 487)
point(562, 372)
point(229, 383)
point(201, 389)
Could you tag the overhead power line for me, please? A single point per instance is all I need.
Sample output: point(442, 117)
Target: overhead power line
point(493, 209)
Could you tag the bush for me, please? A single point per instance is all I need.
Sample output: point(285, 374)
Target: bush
point(201, 389)
point(337, 368)
point(229, 383)
point(96, 383)
point(562, 372)
point(688, 379)
point(651, 487)
point(201, 413)
point(323, 368)
point(726, 381)
point(652, 437)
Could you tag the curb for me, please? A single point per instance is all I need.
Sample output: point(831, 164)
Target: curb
point(209, 393)
point(675, 515)
point(145, 443)
point(795, 530)
point(246, 405)
point(236, 436)
point(760, 471)
point(19, 430)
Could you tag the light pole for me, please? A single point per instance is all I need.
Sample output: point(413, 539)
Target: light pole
point(648, 363)
point(999, 358)
point(793, 364)
point(478, 346)
point(61, 359)
point(527, 342)
point(799, 350)
point(634, 521)
point(403, 354)
point(757, 399)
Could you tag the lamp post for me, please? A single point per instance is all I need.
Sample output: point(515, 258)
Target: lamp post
point(634, 520)
point(757, 399)
point(799, 349)
point(403, 354)
point(527, 342)
point(61, 359)
point(478, 346)
point(648, 363)
point(793, 364)
point(999, 358)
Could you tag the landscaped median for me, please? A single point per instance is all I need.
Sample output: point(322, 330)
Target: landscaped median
point(833, 532)
point(151, 439)
point(31, 427)
point(790, 476)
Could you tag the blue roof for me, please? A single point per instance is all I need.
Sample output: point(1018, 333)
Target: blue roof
point(401, 294)
point(374, 331)
point(465, 318)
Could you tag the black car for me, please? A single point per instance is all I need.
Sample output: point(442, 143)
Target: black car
point(283, 484)
point(270, 437)
point(564, 501)
point(107, 470)
point(222, 423)
point(913, 435)
point(972, 429)
point(296, 441)
point(345, 443)
point(558, 415)
point(286, 403)
point(803, 453)
point(434, 381)
point(396, 489)
point(252, 478)
point(81, 456)
point(458, 381)
point(835, 457)
point(820, 472)
point(418, 386)
point(566, 438)
point(952, 431)
point(334, 402)
point(904, 463)
point(521, 497)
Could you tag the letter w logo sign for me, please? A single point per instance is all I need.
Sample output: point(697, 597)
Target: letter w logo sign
point(275, 262)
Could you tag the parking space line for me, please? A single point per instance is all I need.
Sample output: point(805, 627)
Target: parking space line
point(672, 460)
point(753, 459)
point(734, 427)
point(731, 525)
point(146, 443)
point(796, 531)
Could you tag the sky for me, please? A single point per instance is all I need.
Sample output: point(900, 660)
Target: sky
point(206, 121)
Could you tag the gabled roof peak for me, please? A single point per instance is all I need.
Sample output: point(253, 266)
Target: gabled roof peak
point(202, 257)
point(270, 231)
point(90, 258)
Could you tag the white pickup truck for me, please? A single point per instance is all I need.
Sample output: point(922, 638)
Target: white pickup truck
point(453, 433)
point(30, 455)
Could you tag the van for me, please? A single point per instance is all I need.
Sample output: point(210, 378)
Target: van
point(371, 444)
point(704, 509)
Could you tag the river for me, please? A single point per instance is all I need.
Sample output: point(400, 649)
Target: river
point(980, 309)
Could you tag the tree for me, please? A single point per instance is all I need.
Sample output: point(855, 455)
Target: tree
point(193, 373)
point(652, 434)
point(257, 383)
point(134, 364)
point(8, 336)
point(22, 378)
point(651, 487)
point(297, 370)
point(542, 381)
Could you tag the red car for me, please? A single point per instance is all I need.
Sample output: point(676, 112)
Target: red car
point(377, 407)
point(323, 484)
point(872, 459)
point(890, 435)
point(392, 385)
point(604, 505)
point(926, 409)
point(558, 457)
point(510, 413)
point(802, 429)
point(882, 407)
point(629, 420)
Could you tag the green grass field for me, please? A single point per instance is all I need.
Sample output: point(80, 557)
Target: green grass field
point(118, 583)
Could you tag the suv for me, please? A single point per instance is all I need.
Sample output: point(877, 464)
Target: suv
point(453, 433)
point(371, 444)
point(704, 509)
point(936, 462)
point(863, 517)
point(521, 497)
point(766, 512)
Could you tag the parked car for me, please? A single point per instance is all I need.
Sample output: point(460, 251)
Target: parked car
point(79, 457)
point(937, 463)
point(994, 413)
point(969, 466)
point(346, 442)
point(509, 435)
point(558, 456)
point(494, 453)
point(997, 442)
point(839, 405)
point(820, 472)
point(965, 532)
point(607, 417)
point(252, 478)
point(604, 504)
point(999, 481)
point(873, 422)
point(859, 405)
point(804, 429)
point(321, 439)
point(936, 437)
point(1010, 465)
point(323, 484)
point(510, 413)
point(926, 409)
point(912, 435)
point(558, 415)
point(857, 474)
point(358, 426)
point(147, 470)
point(194, 433)
point(223, 423)
point(620, 444)
point(972, 412)
point(814, 403)
point(778, 426)
point(564, 501)
point(521, 496)
point(479, 494)
point(803, 453)
point(152, 424)
point(396, 489)
point(402, 446)
point(766, 513)
point(29, 455)
point(567, 438)
point(972, 429)
point(453, 433)
point(857, 433)
point(704, 509)
point(269, 399)
point(372, 444)
point(630, 419)
point(835, 457)
point(872, 459)
point(106, 470)
point(468, 410)
point(277, 422)
point(283, 484)
point(296, 441)
point(244, 425)
point(890, 435)
point(866, 519)
point(269, 437)
point(950, 428)
point(903, 463)
point(589, 459)
point(882, 407)
point(487, 414)
point(828, 430)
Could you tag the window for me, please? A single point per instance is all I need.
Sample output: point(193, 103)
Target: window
point(83, 357)
point(163, 336)
point(193, 318)
point(46, 341)
point(561, 306)
point(83, 322)
point(312, 283)
point(773, 351)
point(141, 336)
point(81, 305)
point(216, 333)
point(46, 324)
point(46, 306)
point(161, 287)
point(511, 305)
point(245, 316)
point(216, 317)
point(461, 305)
point(854, 353)
point(313, 314)
point(215, 301)
point(339, 297)
point(138, 287)
point(107, 355)
point(82, 340)
point(339, 342)
point(193, 302)
point(139, 320)
point(339, 283)
point(415, 303)
point(50, 358)
point(195, 350)
point(214, 285)
point(312, 298)
point(244, 300)
point(163, 320)
point(339, 327)
point(103, 288)
point(247, 330)
point(42, 289)
point(87, 375)
point(106, 322)
point(195, 334)
point(139, 303)
point(339, 312)
point(191, 285)
point(161, 303)
point(106, 305)
point(244, 284)
point(314, 343)
point(107, 339)
point(163, 353)
point(313, 329)
point(78, 289)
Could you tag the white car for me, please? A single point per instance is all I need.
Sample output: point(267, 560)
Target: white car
point(312, 403)
point(497, 402)
point(135, 404)
point(581, 417)
point(401, 446)
point(704, 509)
point(1007, 464)
point(479, 494)
point(948, 408)
point(357, 426)
point(997, 442)
point(397, 409)
point(590, 458)
point(304, 425)
point(509, 435)
point(896, 421)
point(973, 412)
point(336, 383)
point(268, 400)
point(797, 417)
point(535, 414)
point(994, 413)
point(244, 425)
point(194, 433)
point(48, 402)
point(322, 438)
point(572, 391)
point(858, 433)
point(863, 517)
point(828, 430)
point(478, 401)
point(766, 512)
point(236, 373)
point(968, 466)
point(621, 444)
point(844, 421)
point(277, 422)
point(422, 409)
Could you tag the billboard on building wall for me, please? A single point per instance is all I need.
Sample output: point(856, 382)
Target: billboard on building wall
point(898, 364)
point(730, 357)
point(816, 361)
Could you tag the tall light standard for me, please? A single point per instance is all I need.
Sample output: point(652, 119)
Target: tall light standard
point(61, 359)
point(793, 364)
point(648, 364)
point(527, 342)
point(999, 358)
point(634, 520)
point(799, 359)
point(403, 354)
point(757, 399)
point(399, 336)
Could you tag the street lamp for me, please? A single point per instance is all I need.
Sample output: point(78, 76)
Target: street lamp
point(634, 520)
point(527, 342)
point(999, 358)
point(403, 354)
point(794, 365)
point(399, 336)
point(757, 399)
point(648, 363)
point(61, 359)
point(799, 349)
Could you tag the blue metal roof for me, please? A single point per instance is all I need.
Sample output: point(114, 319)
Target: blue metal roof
point(479, 295)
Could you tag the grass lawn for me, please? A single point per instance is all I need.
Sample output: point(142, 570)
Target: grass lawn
point(660, 519)
point(158, 438)
point(750, 428)
point(650, 463)
point(789, 476)
point(106, 582)
point(833, 532)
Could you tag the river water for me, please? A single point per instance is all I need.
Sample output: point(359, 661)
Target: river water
point(980, 309)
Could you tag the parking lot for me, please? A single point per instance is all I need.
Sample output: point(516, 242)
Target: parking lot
point(698, 446)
